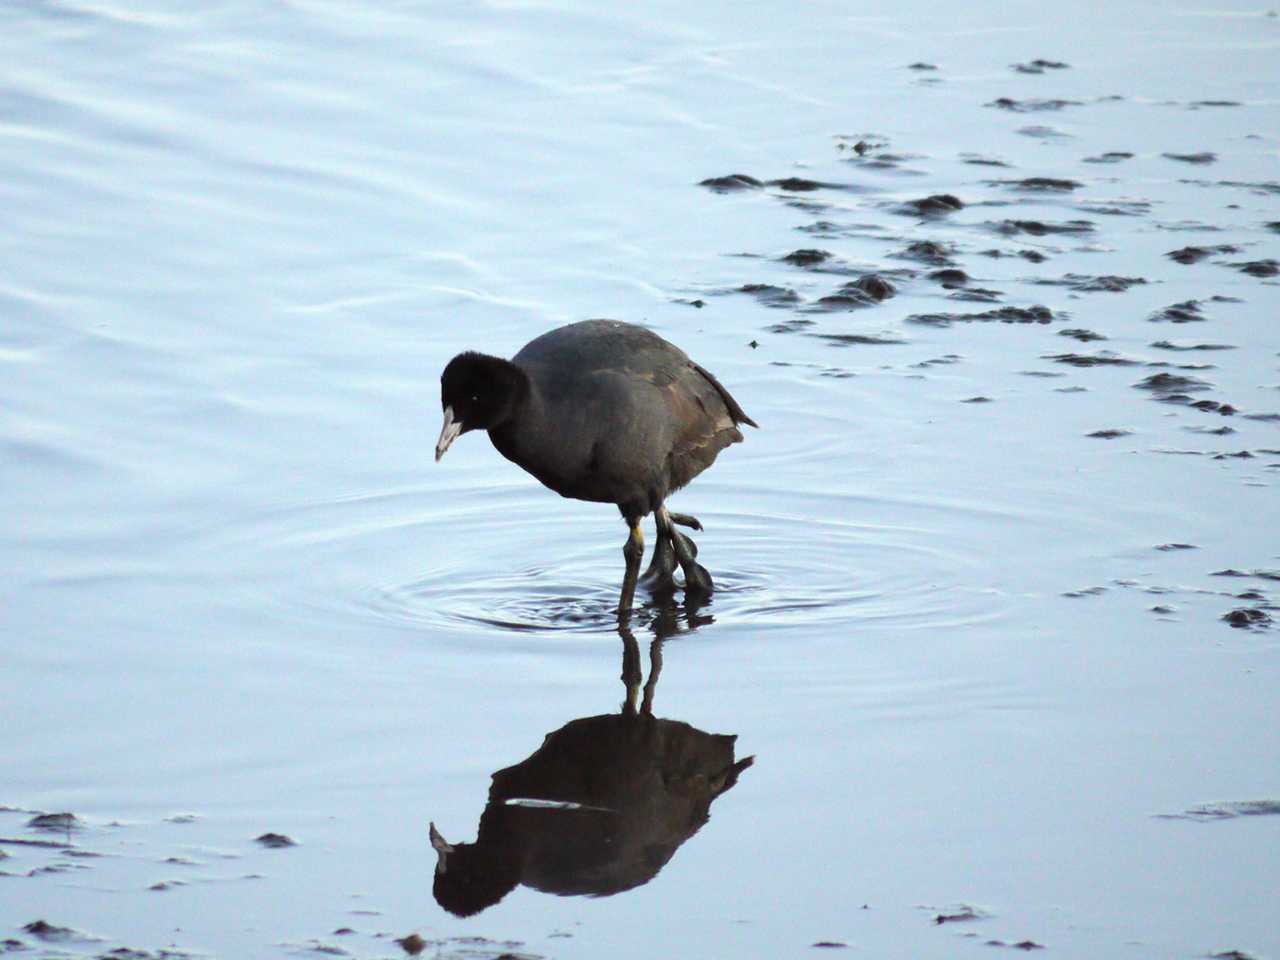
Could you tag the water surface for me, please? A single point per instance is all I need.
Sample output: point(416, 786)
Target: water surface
point(973, 569)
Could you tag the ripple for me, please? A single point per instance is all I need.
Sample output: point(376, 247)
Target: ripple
point(771, 570)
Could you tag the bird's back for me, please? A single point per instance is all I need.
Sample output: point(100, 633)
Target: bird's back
point(635, 419)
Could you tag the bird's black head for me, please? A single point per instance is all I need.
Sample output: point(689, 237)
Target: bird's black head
point(477, 392)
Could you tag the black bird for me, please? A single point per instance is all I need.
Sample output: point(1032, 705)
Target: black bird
point(606, 411)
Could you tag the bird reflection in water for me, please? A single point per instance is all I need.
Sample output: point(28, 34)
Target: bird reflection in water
point(599, 808)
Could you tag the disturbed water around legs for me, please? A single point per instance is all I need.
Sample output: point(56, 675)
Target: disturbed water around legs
point(996, 611)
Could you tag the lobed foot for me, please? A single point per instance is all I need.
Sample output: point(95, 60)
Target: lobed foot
point(659, 577)
point(685, 520)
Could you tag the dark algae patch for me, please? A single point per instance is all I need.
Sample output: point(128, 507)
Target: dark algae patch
point(1031, 106)
point(1036, 314)
point(960, 914)
point(732, 183)
point(807, 257)
point(1081, 334)
point(926, 251)
point(1190, 255)
point(1210, 812)
point(1104, 358)
point(1202, 158)
point(1167, 383)
point(1259, 268)
point(1020, 945)
point(1188, 311)
point(1038, 66)
point(1040, 184)
point(275, 841)
point(1083, 283)
point(1248, 618)
point(1040, 228)
point(1111, 156)
point(866, 291)
point(770, 295)
point(936, 205)
point(55, 822)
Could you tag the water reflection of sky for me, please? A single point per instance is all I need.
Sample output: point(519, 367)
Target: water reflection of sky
point(239, 597)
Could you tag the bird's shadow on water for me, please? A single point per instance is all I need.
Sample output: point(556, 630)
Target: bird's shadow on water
point(600, 807)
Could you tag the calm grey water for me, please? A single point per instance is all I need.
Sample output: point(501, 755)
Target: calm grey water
point(239, 598)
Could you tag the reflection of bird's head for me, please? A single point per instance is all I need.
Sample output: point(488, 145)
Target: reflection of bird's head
point(469, 878)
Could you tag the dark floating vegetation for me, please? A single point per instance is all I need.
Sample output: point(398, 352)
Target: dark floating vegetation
point(1079, 333)
point(1082, 283)
point(1031, 106)
point(937, 205)
point(926, 251)
point(55, 822)
point(275, 841)
point(859, 339)
point(1020, 945)
point(1210, 812)
point(1258, 268)
point(1111, 156)
point(1169, 383)
point(963, 913)
point(1190, 255)
point(1202, 158)
point(51, 933)
point(734, 181)
point(1171, 345)
point(1188, 311)
point(950, 277)
point(866, 291)
point(741, 181)
point(1039, 184)
point(1103, 359)
point(1111, 434)
point(1039, 228)
point(1036, 314)
point(770, 295)
point(1039, 66)
point(806, 258)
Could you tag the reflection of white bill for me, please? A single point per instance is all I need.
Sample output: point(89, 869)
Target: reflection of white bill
point(552, 804)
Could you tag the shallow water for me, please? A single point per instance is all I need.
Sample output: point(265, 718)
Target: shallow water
point(977, 652)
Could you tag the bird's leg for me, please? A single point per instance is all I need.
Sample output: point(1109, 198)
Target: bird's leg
point(696, 578)
point(658, 577)
point(632, 552)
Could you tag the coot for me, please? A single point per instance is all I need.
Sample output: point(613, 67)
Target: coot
point(606, 411)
